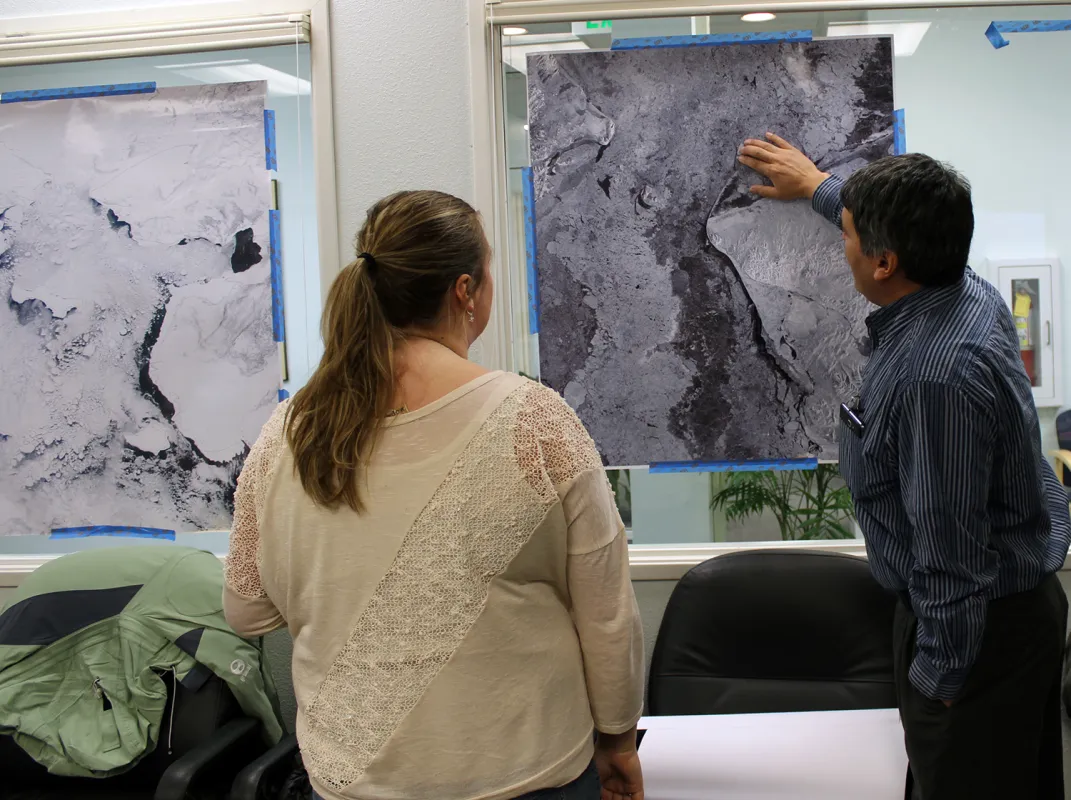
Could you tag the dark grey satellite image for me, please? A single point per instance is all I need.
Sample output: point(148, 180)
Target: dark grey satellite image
point(682, 317)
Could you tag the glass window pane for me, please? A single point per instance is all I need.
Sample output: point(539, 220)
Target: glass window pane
point(1026, 313)
point(948, 79)
point(723, 507)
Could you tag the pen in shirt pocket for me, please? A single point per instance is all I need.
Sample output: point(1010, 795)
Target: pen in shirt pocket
point(851, 416)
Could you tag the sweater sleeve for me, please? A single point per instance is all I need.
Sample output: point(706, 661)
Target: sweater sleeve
point(604, 609)
point(604, 606)
point(247, 607)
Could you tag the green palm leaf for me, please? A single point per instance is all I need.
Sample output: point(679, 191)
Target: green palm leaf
point(808, 504)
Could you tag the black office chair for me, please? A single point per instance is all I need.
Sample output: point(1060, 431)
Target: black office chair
point(774, 630)
point(1063, 472)
point(1063, 455)
point(279, 774)
point(201, 748)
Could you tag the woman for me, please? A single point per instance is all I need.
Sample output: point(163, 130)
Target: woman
point(442, 543)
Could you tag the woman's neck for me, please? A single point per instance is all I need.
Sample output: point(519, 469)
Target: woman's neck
point(426, 369)
point(421, 339)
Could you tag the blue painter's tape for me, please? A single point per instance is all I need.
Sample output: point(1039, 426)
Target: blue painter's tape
point(278, 328)
point(711, 40)
point(899, 133)
point(76, 92)
point(530, 249)
point(665, 467)
point(997, 27)
point(283, 395)
point(112, 530)
point(269, 140)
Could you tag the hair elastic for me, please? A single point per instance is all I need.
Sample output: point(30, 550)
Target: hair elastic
point(370, 262)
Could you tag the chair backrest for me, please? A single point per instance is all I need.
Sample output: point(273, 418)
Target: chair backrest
point(774, 630)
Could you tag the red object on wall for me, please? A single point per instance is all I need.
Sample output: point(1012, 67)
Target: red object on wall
point(1028, 362)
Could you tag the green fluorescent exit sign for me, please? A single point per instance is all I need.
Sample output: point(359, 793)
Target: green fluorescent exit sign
point(593, 29)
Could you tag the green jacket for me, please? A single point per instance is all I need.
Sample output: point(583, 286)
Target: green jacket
point(86, 638)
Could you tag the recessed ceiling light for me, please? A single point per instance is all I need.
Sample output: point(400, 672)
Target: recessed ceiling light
point(759, 16)
point(508, 31)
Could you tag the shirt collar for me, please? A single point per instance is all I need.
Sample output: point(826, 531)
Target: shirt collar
point(885, 323)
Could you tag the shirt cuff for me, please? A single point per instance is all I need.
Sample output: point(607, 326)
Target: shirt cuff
point(826, 199)
point(932, 683)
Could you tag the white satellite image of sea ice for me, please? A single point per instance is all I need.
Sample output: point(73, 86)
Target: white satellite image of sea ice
point(137, 357)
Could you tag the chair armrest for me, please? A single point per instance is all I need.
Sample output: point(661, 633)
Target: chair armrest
point(179, 777)
point(250, 782)
point(1063, 461)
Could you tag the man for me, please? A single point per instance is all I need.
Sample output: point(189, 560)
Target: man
point(963, 516)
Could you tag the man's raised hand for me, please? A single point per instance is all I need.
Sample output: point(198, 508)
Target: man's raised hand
point(792, 174)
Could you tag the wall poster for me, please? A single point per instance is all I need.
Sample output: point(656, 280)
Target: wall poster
point(682, 317)
point(138, 362)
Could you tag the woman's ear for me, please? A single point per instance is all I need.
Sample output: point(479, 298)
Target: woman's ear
point(463, 289)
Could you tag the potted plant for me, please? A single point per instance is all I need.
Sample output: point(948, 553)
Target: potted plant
point(620, 483)
point(808, 504)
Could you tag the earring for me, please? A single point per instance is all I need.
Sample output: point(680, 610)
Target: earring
point(472, 317)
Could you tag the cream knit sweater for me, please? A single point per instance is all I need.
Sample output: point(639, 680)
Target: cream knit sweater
point(464, 635)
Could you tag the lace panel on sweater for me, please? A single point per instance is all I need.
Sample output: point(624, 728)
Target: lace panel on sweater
point(551, 441)
point(492, 500)
point(242, 567)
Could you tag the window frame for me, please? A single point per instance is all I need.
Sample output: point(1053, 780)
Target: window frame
point(648, 562)
point(520, 12)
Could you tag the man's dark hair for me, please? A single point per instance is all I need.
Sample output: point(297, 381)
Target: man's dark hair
point(918, 208)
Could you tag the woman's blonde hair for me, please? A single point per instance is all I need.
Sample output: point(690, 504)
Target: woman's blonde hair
point(414, 247)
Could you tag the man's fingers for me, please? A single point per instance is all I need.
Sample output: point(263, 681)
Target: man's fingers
point(760, 167)
point(760, 144)
point(777, 140)
point(765, 191)
point(758, 154)
point(755, 164)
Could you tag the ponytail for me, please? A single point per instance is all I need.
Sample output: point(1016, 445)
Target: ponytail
point(413, 248)
point(332, 422)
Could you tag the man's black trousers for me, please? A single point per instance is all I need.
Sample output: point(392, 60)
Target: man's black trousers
point(1001, 738)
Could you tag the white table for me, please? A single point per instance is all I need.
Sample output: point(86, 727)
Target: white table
point(825, 755)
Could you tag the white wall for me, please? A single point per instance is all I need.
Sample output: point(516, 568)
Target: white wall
point(403, 112)
point(998, 116)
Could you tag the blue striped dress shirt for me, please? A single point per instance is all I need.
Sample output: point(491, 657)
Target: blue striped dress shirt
point(957, 503)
